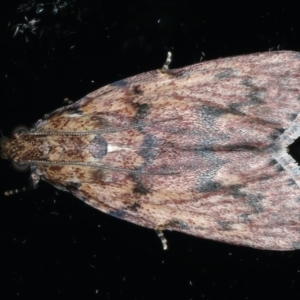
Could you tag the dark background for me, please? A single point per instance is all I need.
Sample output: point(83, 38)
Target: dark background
point(52, 244)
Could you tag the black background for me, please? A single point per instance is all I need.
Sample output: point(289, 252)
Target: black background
point(52, 244)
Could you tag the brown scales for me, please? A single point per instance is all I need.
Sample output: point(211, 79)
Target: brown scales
point(202, 150)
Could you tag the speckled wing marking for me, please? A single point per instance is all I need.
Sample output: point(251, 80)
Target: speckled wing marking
point(202, 150)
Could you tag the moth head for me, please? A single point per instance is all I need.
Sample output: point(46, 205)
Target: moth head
point(11, 147)
point(19, 129)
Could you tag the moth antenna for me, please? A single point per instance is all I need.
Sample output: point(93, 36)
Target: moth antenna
point(1, 134)
point(35, 179)
point(168, 61)
point(162, 238)
point(112, 129)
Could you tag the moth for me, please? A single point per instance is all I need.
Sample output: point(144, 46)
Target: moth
point(210, 150)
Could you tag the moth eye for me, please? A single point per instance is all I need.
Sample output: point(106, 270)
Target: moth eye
point(20, 167)
point(19, 129)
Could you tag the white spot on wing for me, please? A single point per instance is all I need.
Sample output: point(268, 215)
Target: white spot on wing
point(112, 148)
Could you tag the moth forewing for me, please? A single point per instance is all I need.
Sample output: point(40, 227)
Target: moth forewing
point(203, 150)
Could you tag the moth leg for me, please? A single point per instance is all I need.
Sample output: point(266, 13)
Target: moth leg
point(34, 178)
point(67, 101)
point(168, 61)
point(17, 191)
point(162, 238)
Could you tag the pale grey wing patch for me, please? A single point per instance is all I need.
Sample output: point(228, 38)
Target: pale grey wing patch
point(281, 151)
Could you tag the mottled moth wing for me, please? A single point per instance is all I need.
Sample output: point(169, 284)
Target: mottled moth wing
point(202, 150)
